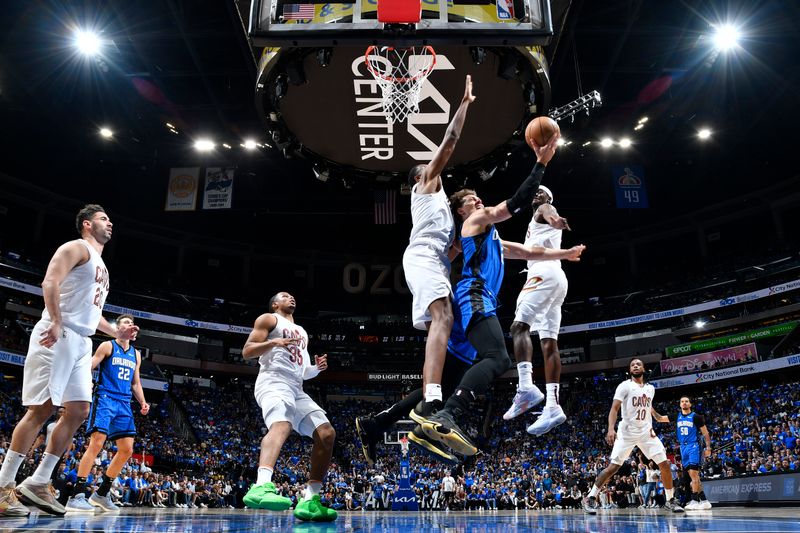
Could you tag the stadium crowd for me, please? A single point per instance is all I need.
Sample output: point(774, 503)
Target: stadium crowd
point(754, 428)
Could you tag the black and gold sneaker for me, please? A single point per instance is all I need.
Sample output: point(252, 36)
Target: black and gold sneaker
point(423, 410)
point(443, 428)
point(431, 448)
point(368, 433)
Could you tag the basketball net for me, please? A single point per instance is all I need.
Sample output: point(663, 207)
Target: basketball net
point(400, 73)
point(404, 446)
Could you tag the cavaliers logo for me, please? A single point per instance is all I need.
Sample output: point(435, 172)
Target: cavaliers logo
point(532, 283)
point(182, 186)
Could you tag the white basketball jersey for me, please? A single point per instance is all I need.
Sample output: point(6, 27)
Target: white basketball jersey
point(83, 294)
point(543, 235)
point(291, 361)
point(432, 221)
point(637, 401)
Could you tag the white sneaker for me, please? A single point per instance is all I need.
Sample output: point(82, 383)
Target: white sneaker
point(523, 400)
point(704, 505)
point(78, 504)
point(550, 418)
point(103, 502)
point(693, 505)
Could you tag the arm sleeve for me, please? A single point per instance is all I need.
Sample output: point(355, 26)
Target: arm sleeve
point(310, 370)
point(524, 195)
point(699, 421)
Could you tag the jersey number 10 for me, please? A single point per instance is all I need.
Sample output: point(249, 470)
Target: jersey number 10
point(641, 414)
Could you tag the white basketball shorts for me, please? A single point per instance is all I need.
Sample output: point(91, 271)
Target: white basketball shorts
point(539, 303)
point(62, 373)
point(428, 279)
point(650, 445)
point(283, 401)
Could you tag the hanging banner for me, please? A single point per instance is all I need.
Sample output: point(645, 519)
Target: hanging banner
point(731, 340)
point(182, 189)
point(218, 188)
point(629, 187)
point(704, 361)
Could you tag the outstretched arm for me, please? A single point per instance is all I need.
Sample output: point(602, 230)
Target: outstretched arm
point(549, 214)
point(429, 179)
point(524, 195)
point(515, 250)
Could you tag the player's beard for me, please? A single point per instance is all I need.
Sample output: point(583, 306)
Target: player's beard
point(635, 375)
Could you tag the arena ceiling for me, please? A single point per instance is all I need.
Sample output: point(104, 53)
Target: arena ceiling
point(188, 63)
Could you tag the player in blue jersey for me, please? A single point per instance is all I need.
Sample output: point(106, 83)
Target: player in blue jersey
point(690, 426)
point(117, 364)
point(475, 296)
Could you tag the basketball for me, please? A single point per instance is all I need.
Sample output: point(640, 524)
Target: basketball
point(540, 130)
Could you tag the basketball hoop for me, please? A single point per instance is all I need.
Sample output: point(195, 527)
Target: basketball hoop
point(404, 446)
point(400, 73)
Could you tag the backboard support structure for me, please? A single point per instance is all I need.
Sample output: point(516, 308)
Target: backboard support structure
point(468, 22)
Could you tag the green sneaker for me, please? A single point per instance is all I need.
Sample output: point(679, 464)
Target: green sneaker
point(265, 496)
point(314, 510)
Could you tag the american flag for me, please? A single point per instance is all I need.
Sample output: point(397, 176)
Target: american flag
point(385, 207)
point(298, 11)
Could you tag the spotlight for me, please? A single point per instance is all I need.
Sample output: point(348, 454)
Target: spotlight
point(249, 144)
point(699, 324)
point(106, 133)
point(204, 145)
point(587, 143)
point(226, 145)
point(561, 141)
point(170, 126)
point(638, 127)
point(726, 37)
point(643, 120)
point(87, 42)
point(625, 142)
point(704, 134)
point(606, 142)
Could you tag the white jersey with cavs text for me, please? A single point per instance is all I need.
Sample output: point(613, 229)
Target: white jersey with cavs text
point(292, 362)
point(83, 294)
point(637, 401)
point(542, 235)
point(432, 221)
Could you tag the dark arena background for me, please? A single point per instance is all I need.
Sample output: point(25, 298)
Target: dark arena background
point(241, 150)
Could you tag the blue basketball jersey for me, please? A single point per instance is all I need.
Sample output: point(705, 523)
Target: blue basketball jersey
point(481, 276)
point(115, 372)
point(688, 432)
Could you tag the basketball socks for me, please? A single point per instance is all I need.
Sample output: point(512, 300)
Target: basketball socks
point(8, 472)
point(703, 496)
point(80, 486)
point(45, 468)
point(696, 496)
point(433, 392)
point(552, 395)
point(105, 486)
point(670, 493)
point(525, 371)
point(264, 475)
point(594, 491)
point(312, 489)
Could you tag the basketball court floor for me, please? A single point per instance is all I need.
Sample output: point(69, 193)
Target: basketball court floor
point(729, 519)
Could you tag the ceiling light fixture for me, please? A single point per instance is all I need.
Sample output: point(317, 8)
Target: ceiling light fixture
point(204, 145)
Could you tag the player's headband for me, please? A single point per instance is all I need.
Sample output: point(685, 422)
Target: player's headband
point(548, 191)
